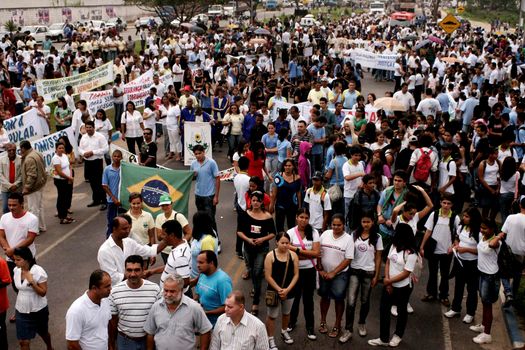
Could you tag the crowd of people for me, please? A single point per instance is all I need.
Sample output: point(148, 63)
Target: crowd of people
point(336, 200)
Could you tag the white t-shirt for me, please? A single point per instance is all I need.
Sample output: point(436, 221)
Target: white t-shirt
point(364, 254)
point(16, 229)
point(487, 257)
point(400, 261)
point(509, 186)
point(514, 227)
point(103, 127)
point(429, 106)
point(412, 223)
point(173, 117)
point(334, 251)
point(179, 263)
point(466, 241)
point(447, 169)
point(316, 208)
point(308, 244)
point(27, 299)
point(133, 122)
point(352, 186)
point(442, 232)
point(241, 182)
point(63, 161)
point(87, 323)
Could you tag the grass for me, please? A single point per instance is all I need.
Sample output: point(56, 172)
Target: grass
point(482, 15)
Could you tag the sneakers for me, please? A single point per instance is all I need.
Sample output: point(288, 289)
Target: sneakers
point(219, 248)
point(377, 342)
point(394, 342)
point(290, 328)
point(451, 313)
point(482, 338)
point(346, 336)
point(286, 337)
point(361, 328)
point(478, 328)
point(310, 334)
point(271, 343)
point(393, 310)
point(410, 309)
point(468, 319)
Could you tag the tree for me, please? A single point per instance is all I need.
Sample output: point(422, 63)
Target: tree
point(169, 10)
point(11, 27)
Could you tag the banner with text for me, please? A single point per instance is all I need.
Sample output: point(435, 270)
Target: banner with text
point(25, 126)
point(138, 89)
point(369, 59)
point(98, 100)
point(51, 89)
point(46, 145)
point(196, 133)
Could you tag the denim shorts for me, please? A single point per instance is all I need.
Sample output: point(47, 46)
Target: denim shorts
point(489, 288)
point(28, 325)
point(334, 289)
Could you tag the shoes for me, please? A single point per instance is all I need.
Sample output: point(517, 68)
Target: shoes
point(479, 328)
point(482, 338)
point(361, 328)
point(93, 204)
point(451, 313)
point(103, 207)
point(271, 343)
point(286, 337)
point(410, 309)
point(377, 342)
point(310, 334)
point(428, 298)
point(219, 248)
point(346, 336)
point(393, 310)
point(468, 319)
point(445, 302)
point(290, 327)
point(394, 342)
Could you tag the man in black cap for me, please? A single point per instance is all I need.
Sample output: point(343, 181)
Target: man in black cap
point(447, 170)
point(319, 203)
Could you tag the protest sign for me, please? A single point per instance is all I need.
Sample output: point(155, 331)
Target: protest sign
point(51, 89)
point(46, 145)
point(227, 174)
point(23, 127)
point(368, 59)
point(196, 133)
point(127, 156)
point(98, 100)
point(138, 89)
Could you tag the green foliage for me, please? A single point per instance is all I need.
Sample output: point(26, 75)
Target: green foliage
point(10, 26)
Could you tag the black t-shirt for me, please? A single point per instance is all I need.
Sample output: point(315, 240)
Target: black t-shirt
point(148, 150)
point(254, 228)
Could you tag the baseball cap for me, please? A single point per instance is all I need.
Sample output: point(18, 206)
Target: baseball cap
point(317, 175)
point(187, 88)
point(412, 139)
point(165, 199)
point(446, 145)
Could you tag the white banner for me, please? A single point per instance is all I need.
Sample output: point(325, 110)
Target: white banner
point(53, 88)
point(25, 126)
point(46, 145)
point(98, 100)
point(368, 59)
point(138, 89)
point(127, 156)
point(196, 133)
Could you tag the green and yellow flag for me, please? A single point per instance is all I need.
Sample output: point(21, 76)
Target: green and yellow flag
point(153, 183)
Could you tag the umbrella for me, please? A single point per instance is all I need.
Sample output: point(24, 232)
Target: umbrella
point(410, 37)
point(437, 40)
point(390, 104)
point(260, 41)
point(197, 29)
point(186, 25)
point(379, 44)
point(451, 59)
point(233, 26)
point(261, 31)
point(422, 43)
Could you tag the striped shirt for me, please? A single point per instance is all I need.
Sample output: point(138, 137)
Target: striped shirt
point(179, 263)
point(250, 333)
point(132, 306)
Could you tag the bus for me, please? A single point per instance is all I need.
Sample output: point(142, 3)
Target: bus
point(377, 7)
point(405, 5)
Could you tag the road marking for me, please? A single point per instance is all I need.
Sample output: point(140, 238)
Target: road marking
point(237, 275)
point(446, 330)
point(71, 233)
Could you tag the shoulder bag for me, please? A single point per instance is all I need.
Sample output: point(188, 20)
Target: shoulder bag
point(272, 297)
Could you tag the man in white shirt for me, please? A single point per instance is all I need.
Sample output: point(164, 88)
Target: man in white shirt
point(88, 317)
point(429, 105)
point(447, 170)
point(405, 98)
point(93, 145)
point(353, 171)
point(114, 251)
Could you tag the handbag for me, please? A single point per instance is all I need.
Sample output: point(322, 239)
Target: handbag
point(334, 192)
point(272, 297)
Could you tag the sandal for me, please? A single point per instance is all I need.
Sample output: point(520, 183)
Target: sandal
point(67, 221)
point(322, 328)
point(428, 298)
point(334, 333)
point(445, 302)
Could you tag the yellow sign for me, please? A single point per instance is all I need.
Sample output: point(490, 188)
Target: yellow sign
point(460, 9)
point(449, 24)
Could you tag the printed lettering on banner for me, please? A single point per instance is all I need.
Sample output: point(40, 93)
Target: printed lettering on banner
point(98, 100)
point(25, 126)
point(46, 145)
point(369, 59)
point(196, 133)
point(137, 90)
point(127, 156)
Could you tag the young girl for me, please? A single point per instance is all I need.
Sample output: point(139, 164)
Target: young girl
point(364, 273)
point(489, 282)
point(467, 272)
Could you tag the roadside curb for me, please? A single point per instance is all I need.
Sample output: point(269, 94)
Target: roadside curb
point(514, 331)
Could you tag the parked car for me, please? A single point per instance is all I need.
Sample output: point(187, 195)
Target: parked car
point(145, 21)
point(202, 16)
point(113, 23)
point(216, 11)
point(39, 32)
point(56, 31)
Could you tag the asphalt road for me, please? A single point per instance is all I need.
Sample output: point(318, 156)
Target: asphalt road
point(68, 254)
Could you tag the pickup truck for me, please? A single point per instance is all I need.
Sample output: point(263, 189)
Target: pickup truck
point(216, 11)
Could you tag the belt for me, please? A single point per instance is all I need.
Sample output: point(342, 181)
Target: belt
point(131, 338)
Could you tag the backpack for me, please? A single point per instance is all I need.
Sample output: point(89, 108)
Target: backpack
point(423, 166)
point(323, 196)
point(415, 275)
point(451, 224)
point(508, 265)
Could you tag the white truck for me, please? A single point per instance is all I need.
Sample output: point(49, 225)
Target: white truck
point(216, 11)
point(377, 7)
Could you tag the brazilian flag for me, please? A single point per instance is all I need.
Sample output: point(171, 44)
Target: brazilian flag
point(153, 183)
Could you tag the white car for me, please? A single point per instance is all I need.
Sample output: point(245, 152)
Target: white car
point(112, 23)
point(144, 21)
point(176, 22)
point(203, 17)
point(38, 33)
point(56, 31)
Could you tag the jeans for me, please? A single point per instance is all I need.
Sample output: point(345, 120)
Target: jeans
point(128, 344)
point(317, 162)
point(512, 288)
point(467, 275)
point(359, 279)
point(35, 205)
point(233, 143)
point(119, 109)
point(505, 203)
point(255, 260)
point(131, 141)
point(282, 214)
point(166, 138)
point(64, 195)
point(5, 197)
point(400, 298)
point(111, 214)
point(93, 172)
point(206, 204)
point(304, 288)
point(272, 166)
point(441, 262)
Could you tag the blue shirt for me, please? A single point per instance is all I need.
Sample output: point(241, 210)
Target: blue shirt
point(206, 174)
point(247, 125)
point(317, 133)
point(279, 124)
point(292, 68)
point(27, 91)
point(338, 161)
point(282, 150)
point(111, 178)
point(270, 142)
point(213, 291)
